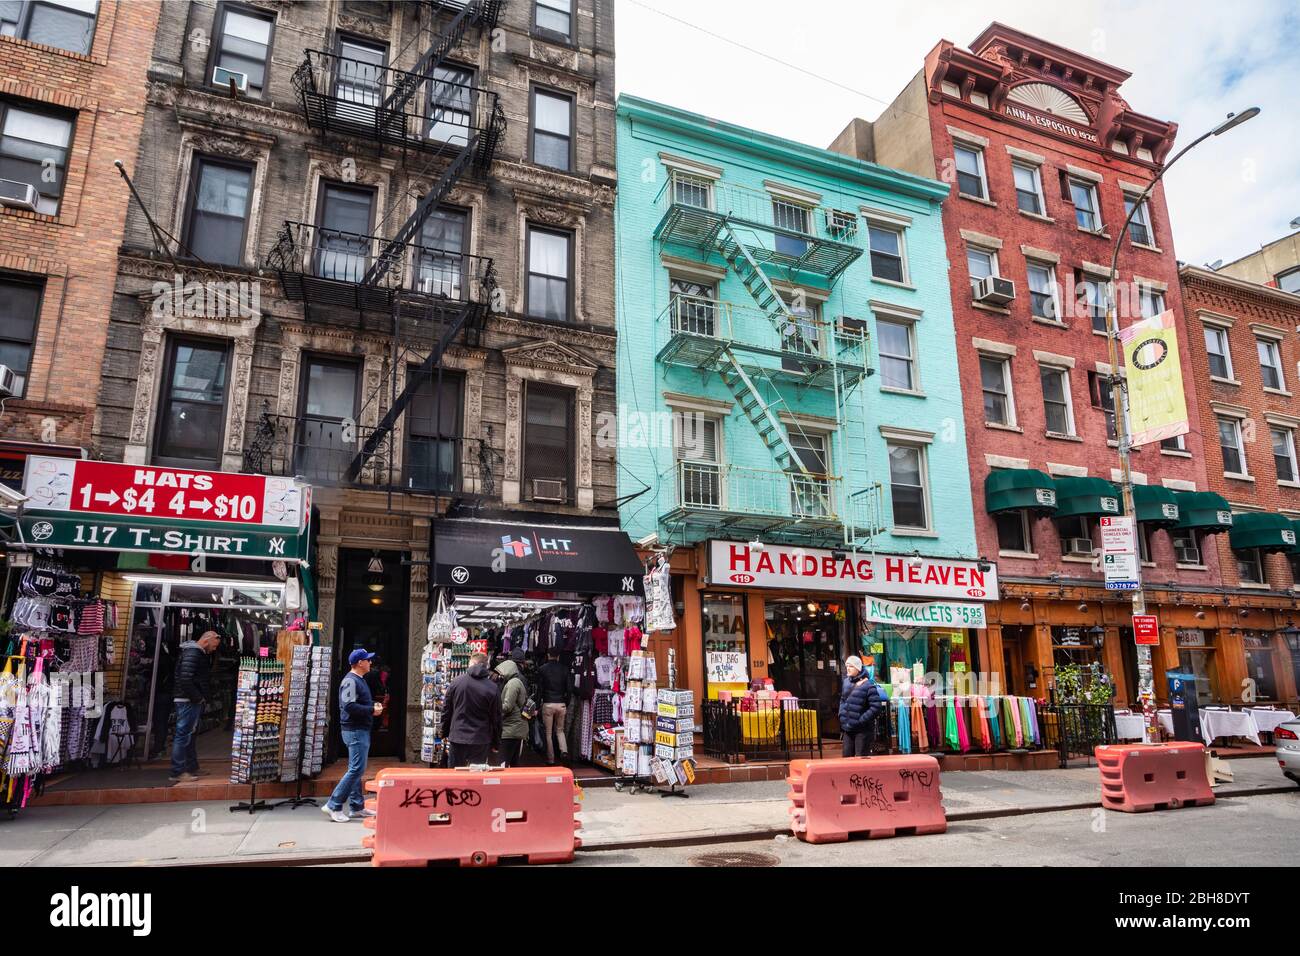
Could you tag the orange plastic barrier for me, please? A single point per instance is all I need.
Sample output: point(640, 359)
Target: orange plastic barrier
point(875, 796)
point(1140, 777)
point(473, 817)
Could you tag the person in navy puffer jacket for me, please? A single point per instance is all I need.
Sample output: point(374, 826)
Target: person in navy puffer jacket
point(860, 703)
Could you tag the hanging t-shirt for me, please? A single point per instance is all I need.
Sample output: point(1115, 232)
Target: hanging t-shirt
point(604, 671)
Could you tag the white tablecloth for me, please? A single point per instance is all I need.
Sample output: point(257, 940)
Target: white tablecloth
point(1268, 720)
point(1228, 723)
point(1166, 720)
point(1129, 726)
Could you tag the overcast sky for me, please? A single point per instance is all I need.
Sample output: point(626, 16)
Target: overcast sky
point(1192, 62)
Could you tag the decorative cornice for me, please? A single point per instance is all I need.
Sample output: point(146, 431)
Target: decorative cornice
point(550, 355)
point(563, 62)
point(552, 187)
point(589, 337)
point(222, 110)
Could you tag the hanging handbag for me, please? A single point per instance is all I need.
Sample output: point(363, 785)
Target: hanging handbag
point(442, 621)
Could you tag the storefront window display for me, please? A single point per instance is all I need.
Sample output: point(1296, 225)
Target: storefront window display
point(1259, 666)
point(1196, 656)
point(908, 654)
point(726, 638)
point(806, 645)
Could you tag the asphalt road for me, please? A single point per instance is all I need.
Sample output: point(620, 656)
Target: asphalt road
point(1236, 831)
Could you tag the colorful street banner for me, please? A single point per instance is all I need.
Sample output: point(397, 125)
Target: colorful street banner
point(927, 614)
point(1157, 405)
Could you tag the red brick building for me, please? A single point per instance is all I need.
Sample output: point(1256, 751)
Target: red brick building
point(1044, 156)
point(71, 102)
point(1245, 347)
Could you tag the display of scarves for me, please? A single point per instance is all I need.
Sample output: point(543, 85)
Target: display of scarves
point(963, 735)
point(904, 721)
point(1017, 721)
point(950, 736)
point(982, 721)
point(934, 724)
point(918, 722)
point(1027, 717)
point(994, 729)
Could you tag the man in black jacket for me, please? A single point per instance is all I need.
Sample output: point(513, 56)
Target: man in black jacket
point(860, 704)
point(555, 683)
point(191, 684)
point(471, 715)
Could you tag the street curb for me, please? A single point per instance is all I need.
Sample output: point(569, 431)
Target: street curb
point(334, 857)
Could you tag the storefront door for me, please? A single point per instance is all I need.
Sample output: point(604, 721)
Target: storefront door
point(1196, 656)
point(371, 612)
point(806, 643)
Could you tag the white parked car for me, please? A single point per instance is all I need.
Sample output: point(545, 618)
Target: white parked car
point(1287, 740)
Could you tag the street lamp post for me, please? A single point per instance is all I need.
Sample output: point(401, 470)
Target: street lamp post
point(1146, 677)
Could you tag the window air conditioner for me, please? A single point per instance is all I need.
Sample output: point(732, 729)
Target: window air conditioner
point(840, 224)
point(222, 77)
point(1187, 555)
point(8, 382)
point(18, 195)
point(1079, 547)
point(549, 489)
point(995, 290)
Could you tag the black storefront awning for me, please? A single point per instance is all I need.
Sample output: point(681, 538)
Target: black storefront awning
point(474, 554)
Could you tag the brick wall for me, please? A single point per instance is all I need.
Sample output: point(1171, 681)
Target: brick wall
point(75, 251)
point(1222, 300)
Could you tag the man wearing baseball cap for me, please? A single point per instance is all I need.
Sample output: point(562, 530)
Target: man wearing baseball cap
point(357, 711)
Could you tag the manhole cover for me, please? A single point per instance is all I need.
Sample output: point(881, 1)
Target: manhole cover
point(735, 859)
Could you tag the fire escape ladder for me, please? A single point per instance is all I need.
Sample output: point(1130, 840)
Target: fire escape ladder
point(760, 288)
point(760, 412)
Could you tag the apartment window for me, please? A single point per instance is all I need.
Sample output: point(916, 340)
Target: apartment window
point(1076, 536)
point(1187, 549)
point(694, 306)
point(1092, 299)
point(979, 99)
point(1139, 227)
point(886, 253)
point(1013, 531)
point(1042, 291)
point(359, 78)
point(951, 88)
point(550, 261)
point(810, 494)
point(1150, 302)
point(440, 260)
point(970, 171)
point(1270, 363)
point(1216, 347)
point(698, 452)
point(218, 219)
point(1029, 188)
point(342, 233)
point(243, 46)
point(1250, 565)
point(548, 456)
point(554, 16)
point(433, 433)
point(995, 376)
point(982, 263)
point(66, 24)
point(1102, 394)
point(1284, 453)
point(795, 218)
point(1084, 197)
point(1144, 542)
point(1289, 281)
point(907, 486)
point(325, 443)
point(1177, 443)
point(451, 105)
point(1234, 452)
point(1056, 400)
point(192, 413)
point(803, 335)
point(552, 130)
point(897, 355)
point(20, 307)
point(29, 138)
point(692, 190)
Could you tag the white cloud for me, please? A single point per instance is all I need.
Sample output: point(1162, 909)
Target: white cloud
point(1191, 63)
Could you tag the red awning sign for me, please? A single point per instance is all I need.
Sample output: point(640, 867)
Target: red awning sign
point(107, 488)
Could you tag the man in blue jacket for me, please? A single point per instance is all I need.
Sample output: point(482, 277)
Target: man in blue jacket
point(860, 704)
point(357, 711)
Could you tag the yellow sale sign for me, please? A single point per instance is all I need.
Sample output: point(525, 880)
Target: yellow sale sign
point(1157, 406)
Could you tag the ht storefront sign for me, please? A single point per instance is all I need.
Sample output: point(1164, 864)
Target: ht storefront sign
point(178, 494)
point(734, 563)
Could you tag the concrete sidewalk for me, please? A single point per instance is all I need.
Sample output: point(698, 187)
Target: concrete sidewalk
point(208, 833)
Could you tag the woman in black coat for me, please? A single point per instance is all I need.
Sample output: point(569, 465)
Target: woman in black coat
point(860, 704)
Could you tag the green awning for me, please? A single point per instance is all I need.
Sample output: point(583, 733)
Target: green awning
point(1076, 497)
point(1016, 489)
point(1264, 530)
point(1155, 505)
point(1203, 511)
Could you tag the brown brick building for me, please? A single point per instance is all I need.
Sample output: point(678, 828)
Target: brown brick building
point(1244, 342)
point(1046, 157)
point(70, 105)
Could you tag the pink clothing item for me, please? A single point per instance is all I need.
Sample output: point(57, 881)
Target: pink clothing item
point(1015, 717)
point(963, 736)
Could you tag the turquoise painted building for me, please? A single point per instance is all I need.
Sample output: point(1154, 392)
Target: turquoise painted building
point(787, 369)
